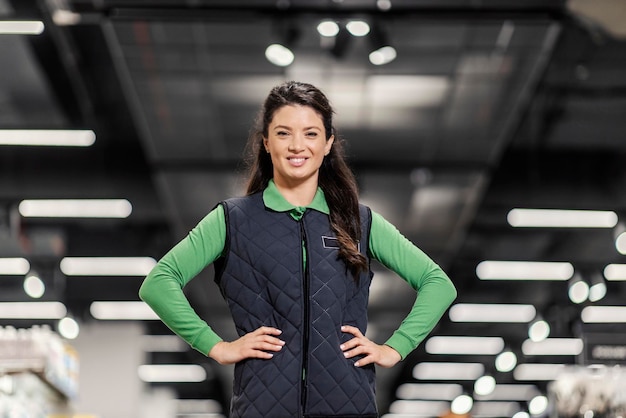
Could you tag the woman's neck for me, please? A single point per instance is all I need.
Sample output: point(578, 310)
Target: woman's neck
point(300, 194)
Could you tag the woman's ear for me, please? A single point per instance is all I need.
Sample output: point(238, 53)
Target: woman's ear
point(329, 144)
point(267, 149)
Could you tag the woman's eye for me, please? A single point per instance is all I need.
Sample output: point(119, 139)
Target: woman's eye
point(311, 134)
point(281, 133)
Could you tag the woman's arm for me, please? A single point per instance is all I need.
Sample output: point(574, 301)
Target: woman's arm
point(162, 289)
point(435, 290)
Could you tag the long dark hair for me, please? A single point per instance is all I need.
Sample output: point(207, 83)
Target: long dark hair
point(335, 177)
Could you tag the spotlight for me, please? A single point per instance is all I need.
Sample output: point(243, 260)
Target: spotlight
point(280, 53)
point(33, 285)
point(597, 290)
point(538, 330)
point(381, 51)
point(578, 289)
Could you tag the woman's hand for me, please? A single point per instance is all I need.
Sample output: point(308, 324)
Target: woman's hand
point(382, 355)
point(255, 344)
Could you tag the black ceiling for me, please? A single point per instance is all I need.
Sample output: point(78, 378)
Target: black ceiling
point(490, 105)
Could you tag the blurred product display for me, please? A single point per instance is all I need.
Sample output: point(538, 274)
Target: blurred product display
point(38, 373)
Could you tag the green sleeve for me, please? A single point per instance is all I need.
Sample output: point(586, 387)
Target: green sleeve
point(162, 289)
point(435, 290)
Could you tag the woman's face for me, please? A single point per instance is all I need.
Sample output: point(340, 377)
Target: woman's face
point(296, 141)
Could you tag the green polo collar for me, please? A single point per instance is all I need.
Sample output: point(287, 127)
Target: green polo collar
point(275, 201)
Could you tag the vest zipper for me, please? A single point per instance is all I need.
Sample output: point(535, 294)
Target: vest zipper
point(305, 334)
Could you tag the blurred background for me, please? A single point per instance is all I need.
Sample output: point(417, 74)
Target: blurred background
point(490, 132)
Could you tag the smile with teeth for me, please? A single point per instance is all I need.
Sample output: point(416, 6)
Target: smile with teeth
point(296, 160)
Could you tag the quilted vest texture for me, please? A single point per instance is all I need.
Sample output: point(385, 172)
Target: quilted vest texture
point(263, 279)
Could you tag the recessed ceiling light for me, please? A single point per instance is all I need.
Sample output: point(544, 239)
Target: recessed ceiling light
point(524, 270)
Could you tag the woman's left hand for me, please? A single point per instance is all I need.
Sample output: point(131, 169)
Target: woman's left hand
point(382, 355)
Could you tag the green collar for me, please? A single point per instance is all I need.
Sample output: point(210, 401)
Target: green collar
point(275, 201)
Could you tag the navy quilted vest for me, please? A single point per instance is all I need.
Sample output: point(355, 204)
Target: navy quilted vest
point(263, 280)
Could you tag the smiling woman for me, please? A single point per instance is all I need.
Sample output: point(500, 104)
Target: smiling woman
point(292, 259)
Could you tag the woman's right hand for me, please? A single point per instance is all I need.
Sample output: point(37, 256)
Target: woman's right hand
point(255, 344)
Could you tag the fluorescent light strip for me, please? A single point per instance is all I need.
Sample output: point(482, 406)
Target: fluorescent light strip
point(75, 208)
point(464, 345)
point(561, 218)
point(107, 266)
point(171, 373)
point(511, 392)
point(404, 408)
point(615, 272)
point(494, 312)
point(553, 347)
point(448, 371)
point(14, 266)
point(163, 344)
point(524, 270)
point(21, 27)
point(495, 409)
point(429, 391)
point(122, 311)
point(538, 371)
point(603, 314)
point(41, 137)
point(32, 310)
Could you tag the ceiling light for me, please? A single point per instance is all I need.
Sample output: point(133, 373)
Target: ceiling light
point(511, 392)
point(430, 391)
point(615, 272)
point(383, 55)
point(107, 266)
point(32, 310)
point(68, 328)
point(43, 137)
point(279, 55)
point(494, 409)
point(21, 27)
point(538, 405)
point(328, 28)
point(524, 270)
point(448, 371)
point(505, 361)
point(553, 347)
point(381, 51)
point(33, 285)
point(171, 373)
point(116, 311)
point(492, 312)
point(75, 208)
point(464, 345)
point(560, 218)
point(597, 290)
point(539, 330)
point(603, 314)
point(521, 414)
point(358, 28)
point(163, 343)
point(383, 4)
point(461, 405)
point(484, 385)
point(577, 289)
point(14, 266)
point(405, 408)
point(538, 371)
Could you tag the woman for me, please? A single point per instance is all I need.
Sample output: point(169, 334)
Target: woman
point(292, 259)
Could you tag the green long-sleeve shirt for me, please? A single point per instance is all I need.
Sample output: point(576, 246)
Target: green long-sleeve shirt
point(162, 289)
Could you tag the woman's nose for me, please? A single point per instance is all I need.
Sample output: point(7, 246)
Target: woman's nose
point(296, 143)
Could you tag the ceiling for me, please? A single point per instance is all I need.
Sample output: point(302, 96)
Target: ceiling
point(490, 105)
